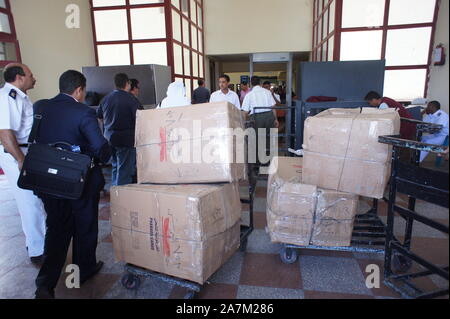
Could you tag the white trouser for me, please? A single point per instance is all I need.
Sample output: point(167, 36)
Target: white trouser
point(30, 207)
point(431, 139)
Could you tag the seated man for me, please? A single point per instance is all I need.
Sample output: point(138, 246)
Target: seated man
point(407, 130)
point(434, 114)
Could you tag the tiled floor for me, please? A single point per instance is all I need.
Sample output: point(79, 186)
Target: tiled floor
point(257, 273)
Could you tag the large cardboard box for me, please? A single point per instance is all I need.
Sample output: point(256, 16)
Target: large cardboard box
point(185, 231)
point(302, 214)
point(192, 144)
point(342, 152)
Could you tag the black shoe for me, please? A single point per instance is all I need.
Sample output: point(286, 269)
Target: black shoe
point(44, 293)
point(37, 260)
point(94, 272)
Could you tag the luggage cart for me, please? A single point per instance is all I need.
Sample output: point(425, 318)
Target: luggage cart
point(368, 237)
point(418, 183)
point(131, 279)
point(369, 232)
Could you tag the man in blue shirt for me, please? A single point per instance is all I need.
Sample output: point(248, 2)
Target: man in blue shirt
point(118, 112)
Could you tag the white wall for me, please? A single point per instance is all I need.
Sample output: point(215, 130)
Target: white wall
point(47, 46)
point(439, 76)
point(253, 26)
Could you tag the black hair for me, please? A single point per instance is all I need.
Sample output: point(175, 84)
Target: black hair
point(244, 83)
point(134, 84)
point(267, 83)
point(435, 104)
point(92, 99)
point(372, 95)
point(256, 81)
point(11, 73)
point(71, 80)
point(200, 82)
point(226, 77)
point(121, 80)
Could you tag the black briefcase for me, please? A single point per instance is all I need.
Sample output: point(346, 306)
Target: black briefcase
point(54, 169)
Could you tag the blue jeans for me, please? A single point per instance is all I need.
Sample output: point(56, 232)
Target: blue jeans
point(123, 165)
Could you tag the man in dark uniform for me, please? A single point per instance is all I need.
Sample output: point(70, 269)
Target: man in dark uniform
point(118, 112)
point(66, 119)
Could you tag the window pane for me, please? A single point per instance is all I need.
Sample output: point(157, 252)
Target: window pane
point(194, 11)
point(113, 54)
point(108, 3)
point(148, 23)
point(194, 37)
point(8, 51)
point(4, 23)
point(2, 4)
point(325, 25)
point(411, 11)
point(150, 53)
point(408, 46)
point(176, 25)
point(187, 62)
point(178, 58)
point(367, 13)
point(184, 7)
point(132, 2)
point(176, 3)
point(332, 15)
point(361, 45)
point(194, 64)
point(405, 84)
point(202, 74)
point(200, 16)
point(186, 29)
point(187, 84)
point(331, 49)
point(319, 35)
point(111, 25)
point(200, 41)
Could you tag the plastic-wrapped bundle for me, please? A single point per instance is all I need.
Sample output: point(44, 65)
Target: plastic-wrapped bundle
point(302, 214)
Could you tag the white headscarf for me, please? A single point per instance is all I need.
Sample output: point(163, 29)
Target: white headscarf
point(176, 96)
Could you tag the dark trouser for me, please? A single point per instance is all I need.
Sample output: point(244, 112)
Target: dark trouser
point(123, 165)
point(264, 121)
point(67, 219)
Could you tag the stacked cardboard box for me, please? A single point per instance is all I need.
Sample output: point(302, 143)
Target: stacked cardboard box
point(302, 214)
point(341, 150)
point(170, 222)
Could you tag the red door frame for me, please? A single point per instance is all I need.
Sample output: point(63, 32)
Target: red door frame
point(339, 29)
point(169, 39)
point(11, 38)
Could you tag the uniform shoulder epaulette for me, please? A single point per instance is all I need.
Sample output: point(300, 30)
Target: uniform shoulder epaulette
point(13, 94)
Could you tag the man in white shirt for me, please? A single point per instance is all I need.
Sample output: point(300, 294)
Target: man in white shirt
point(266, 117)
point(225, 94)
point(435, 115)
point(16, 120)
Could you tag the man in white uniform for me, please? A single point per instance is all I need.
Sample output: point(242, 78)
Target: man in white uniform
point(435, 115)
point(16, 120)
point(265, 118)
point(225, 94)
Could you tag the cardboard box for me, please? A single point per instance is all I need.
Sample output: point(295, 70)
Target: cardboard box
point(185, 231)
point(192, 144)
point(302, 214)
point(342, 152)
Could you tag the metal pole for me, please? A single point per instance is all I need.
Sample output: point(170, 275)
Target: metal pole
point(289, 116)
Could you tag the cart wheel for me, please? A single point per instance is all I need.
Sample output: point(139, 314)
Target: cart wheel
point(243, 247)
point(190, 295)
point(400, 263)
point(131, 282)
point(288, 255)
